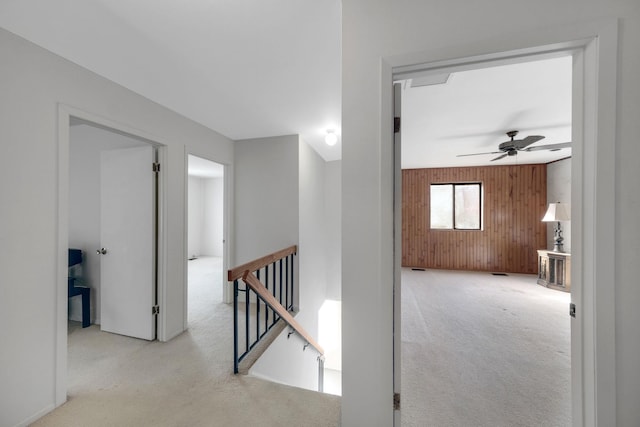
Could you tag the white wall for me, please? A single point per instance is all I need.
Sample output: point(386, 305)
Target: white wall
point(284, 361)
point(267, 219)
point(85, 144)
point(313, 231)
point(378, 32)
point(34, 228)
point(213, 193)
point(287, 362)
point(559, 190)
point(266, 196)
point(206, 202)
point(330, 328)
point(195, 211)
point(332, 215)
point(330, 333)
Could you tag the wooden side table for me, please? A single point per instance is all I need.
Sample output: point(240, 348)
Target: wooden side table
point(554, 270)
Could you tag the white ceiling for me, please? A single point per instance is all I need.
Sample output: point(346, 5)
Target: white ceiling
point(474, 110)
point(203, 168)
point(251, 68)
point(245, 68)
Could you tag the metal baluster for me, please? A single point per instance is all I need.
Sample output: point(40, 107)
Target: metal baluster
point(247, 297)
point(266, 307)
point(321, 374)
point(235, 326)
point(274, 293)
point(292, 282)
point(257, 311)
point(286, 287)
point(280, 295)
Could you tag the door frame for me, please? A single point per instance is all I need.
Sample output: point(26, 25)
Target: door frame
point(227, 219)
point(593, 47)
point(65, 113)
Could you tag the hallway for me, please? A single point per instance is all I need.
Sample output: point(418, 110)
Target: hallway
point(188, 381)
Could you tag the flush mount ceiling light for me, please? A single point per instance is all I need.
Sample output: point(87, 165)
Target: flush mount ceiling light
point(331, 138)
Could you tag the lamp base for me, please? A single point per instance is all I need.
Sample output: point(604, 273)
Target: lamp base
point(557, 244)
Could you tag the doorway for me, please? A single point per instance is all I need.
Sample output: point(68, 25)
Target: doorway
point(508, 223)
point(587, 393)
point(205, 237)
point(111, 176)
point(112, 221)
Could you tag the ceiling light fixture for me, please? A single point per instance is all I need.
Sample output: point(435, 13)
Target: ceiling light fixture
point(331, 138)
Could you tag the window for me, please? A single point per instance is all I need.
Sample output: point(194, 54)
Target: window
point(456, 206)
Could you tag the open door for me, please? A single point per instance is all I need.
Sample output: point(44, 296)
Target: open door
point(128, 216)
point(397, 253)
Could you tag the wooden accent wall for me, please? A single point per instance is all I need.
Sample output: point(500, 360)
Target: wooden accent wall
point(515, 200)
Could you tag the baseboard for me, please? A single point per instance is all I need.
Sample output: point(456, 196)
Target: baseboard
point(36, 416)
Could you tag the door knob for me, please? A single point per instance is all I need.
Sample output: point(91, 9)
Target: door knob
point(101, 251)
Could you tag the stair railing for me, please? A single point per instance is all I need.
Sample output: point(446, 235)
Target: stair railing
point(270, 302)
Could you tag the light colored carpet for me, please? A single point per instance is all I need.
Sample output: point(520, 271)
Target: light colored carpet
point(477, 350)
point(120, 381)
point(483, 350)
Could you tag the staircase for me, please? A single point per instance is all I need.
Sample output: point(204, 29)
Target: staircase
point(264, 308)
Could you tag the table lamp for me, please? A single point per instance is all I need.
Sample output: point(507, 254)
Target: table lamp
point(557, 212)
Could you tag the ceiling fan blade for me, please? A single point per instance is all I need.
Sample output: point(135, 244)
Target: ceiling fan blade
point(500, 157)
point(549, 147)
point(478, 154)
point(524, 143)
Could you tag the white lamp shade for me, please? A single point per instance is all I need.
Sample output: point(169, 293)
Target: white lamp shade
point(557, 212)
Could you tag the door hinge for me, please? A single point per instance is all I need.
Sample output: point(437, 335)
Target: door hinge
point(155, 309)
point(396, 401)
point(572, 310)
point(156, 167)
point(396, 124)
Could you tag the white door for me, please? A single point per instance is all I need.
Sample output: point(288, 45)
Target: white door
point(397, 252)
point(127, 268)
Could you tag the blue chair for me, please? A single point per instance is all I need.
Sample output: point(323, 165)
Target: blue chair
point(75, 258)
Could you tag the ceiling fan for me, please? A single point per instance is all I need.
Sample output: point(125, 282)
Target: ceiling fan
point(511, 147)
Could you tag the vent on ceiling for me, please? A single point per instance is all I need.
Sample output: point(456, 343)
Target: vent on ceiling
point(438, 79)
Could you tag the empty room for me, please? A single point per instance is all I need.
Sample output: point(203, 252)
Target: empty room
point(486, 153)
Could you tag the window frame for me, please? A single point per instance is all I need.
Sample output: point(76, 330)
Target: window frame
point(453, 205)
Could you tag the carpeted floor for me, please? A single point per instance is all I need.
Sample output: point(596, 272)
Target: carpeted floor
point(477, 350)
point(120, 381)
point(483, 350)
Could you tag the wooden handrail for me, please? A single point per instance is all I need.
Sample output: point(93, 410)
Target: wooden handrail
point(256, 264)
point(252, 281)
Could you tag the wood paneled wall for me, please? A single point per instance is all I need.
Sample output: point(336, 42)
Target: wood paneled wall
point(515, 200)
